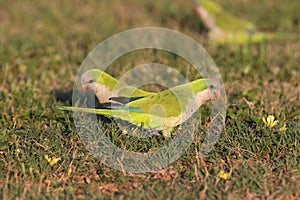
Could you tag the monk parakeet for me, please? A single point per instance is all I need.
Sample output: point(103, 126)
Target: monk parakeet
point(226, 28)
point(105, 86)
point(164, 110)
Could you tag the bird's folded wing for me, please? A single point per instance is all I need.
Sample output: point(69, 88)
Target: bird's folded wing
point(124, 100)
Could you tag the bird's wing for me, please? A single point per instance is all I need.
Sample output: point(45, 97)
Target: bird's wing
point(168, 103)
point(225, 20)
point(125, 100)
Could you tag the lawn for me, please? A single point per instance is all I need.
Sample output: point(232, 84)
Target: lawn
point(42, 45)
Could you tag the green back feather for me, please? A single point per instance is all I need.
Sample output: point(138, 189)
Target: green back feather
point(225, 20)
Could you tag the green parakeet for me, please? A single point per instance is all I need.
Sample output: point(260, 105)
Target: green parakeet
point(105, 86)
point(226, 28)
point(164, 110)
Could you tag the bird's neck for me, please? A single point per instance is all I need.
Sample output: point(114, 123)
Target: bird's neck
point(203, 96)
point(102, 93)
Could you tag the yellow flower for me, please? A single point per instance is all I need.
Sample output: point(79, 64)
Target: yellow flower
point(223, 174)
point(124, 132)
point(297, 117)
point(283, 128)
point(153, 149)
point(53, 160)
point(47, 158)
point(270, 121)
point(70, 171)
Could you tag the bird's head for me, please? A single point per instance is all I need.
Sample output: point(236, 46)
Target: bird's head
point(89, 79)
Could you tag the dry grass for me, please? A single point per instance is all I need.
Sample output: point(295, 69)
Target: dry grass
point(43, 43)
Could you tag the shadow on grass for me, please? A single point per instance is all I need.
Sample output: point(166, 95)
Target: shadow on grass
point(64, 96)
point(90, 100)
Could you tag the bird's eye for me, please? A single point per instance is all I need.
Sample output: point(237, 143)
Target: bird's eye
point(211, 87)
point(91, 81)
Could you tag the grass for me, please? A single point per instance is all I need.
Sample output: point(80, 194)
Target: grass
point(42, 45)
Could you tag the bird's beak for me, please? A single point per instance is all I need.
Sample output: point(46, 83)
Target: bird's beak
point(85, 87)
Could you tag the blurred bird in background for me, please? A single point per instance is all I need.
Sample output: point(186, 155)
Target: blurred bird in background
point(225, 28)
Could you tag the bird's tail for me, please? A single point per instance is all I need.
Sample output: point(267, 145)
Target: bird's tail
point(119, 111)
point(123, 113)
point(107, 112)
point(278, 35)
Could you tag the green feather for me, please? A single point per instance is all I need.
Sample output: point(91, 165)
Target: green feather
point(225, 20)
